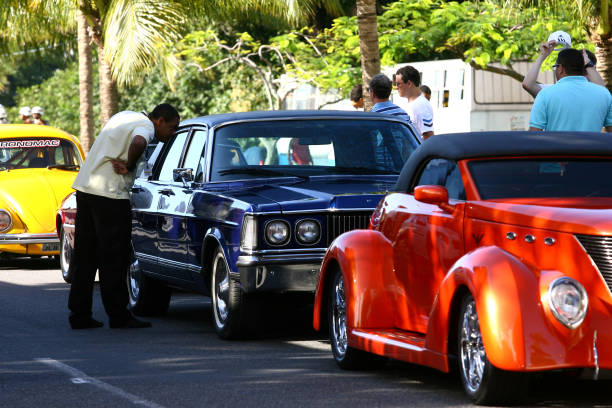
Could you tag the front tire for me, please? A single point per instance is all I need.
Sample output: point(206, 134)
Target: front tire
point(347, 358)
point(65, 256)
point(230, 306)
point(483, 382)
point(148, 297)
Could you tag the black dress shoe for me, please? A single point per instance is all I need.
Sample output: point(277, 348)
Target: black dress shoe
point(89, 323)
point(131, 323)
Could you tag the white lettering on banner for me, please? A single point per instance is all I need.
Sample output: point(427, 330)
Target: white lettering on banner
point(13, 144)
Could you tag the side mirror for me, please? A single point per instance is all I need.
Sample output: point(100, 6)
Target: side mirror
point(183, 175)
point(437, 195)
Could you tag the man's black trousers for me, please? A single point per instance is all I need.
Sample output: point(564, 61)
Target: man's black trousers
point(102, 242)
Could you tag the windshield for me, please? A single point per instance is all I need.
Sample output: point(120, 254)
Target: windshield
point(304, 148)
point(27, 153)
point(542, 178)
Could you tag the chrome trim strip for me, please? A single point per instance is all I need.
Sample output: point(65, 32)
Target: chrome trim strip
point(46, 238)
point(169, 263)
point(595, 356)
point(314, 117)
point(299, 251)
point(322, 211)
point(384, 340)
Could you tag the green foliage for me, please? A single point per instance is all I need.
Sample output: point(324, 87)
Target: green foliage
point(59, 97)
point(481, 33)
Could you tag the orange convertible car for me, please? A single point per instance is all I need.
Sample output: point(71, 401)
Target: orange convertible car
point(495, 254)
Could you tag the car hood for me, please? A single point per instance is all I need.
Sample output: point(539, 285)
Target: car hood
point(316, 193)
point(35, 194)
point(590, 216)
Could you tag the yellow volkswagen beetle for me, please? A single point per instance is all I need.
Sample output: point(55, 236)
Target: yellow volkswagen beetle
point(38, 165)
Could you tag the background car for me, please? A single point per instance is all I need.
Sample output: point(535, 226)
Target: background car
point(243, 204)
point(494, 253)
point(38, 165)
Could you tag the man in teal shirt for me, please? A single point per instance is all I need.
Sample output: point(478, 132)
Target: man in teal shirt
point(573, 103)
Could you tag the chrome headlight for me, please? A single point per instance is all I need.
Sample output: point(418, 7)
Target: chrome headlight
point(277, 232)
point(568, 301)
point(6, 221)
point(248, 238)
point(308, 231)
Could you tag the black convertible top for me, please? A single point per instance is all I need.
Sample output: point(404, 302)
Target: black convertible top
point(457, 146)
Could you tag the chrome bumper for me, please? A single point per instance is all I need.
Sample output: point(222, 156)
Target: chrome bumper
point(25, 239)
point(279, 271)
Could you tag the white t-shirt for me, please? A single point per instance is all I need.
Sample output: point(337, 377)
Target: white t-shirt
point(421, 114)
point(97, 175)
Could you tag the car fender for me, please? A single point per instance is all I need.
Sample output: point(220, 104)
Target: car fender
point(507, 296)
point(365, 258)
point(213, 239)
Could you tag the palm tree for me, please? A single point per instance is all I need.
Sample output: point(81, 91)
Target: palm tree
point(85, 84)
point(368, 44)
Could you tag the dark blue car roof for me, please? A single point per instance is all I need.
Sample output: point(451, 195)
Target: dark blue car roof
point(215, 120)
point(458, 146)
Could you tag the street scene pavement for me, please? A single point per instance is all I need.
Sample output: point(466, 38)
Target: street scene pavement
point(180, 361)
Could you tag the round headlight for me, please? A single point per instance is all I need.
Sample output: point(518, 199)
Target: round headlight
point(308, 231)
point(568, 301)
point(5, 221)
point(277, 232)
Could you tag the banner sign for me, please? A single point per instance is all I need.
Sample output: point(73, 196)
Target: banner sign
point(13, 144)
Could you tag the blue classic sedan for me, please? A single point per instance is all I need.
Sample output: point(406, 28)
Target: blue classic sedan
point(236, 205)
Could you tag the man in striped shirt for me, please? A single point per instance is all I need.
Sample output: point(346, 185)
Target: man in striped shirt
point(380, 90)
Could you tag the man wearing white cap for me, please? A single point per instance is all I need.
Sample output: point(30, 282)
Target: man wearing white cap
point(25, 113)
point(3, 119)
point(37, 113)
point(562, 39)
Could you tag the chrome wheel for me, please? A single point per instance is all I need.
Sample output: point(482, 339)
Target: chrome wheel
point(221, 288)
point(134, 279)
point(65, 257)
point(338, 305)
point(472, 353)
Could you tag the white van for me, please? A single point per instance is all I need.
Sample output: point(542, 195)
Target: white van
point(467, 99)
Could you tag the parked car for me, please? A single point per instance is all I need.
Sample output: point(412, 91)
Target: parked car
point(38, 165)
point(238, 205)
point(493, 253)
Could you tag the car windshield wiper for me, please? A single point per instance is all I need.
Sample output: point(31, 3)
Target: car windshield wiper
point(359, 170)
point(257, 170)
point(64, 166)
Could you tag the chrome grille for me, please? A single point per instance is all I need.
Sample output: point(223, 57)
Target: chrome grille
point(339, 223)
point(600, 250)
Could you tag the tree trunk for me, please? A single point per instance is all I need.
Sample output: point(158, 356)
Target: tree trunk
point(109, 98)
point(85, 84)
point(603, 52)
point(368, 44)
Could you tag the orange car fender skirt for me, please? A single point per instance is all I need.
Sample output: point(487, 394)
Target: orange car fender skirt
point(507, 298)
point(365, 258)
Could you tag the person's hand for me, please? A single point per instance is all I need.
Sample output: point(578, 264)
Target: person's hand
point(119, 166)
point(547, 48)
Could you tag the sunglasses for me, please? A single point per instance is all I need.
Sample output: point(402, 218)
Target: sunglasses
point(555, 66)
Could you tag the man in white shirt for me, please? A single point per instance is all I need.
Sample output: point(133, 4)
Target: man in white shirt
point(104, 217)
point(408, 81)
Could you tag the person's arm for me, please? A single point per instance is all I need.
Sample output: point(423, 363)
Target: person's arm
point(427, 134)
point(136, 149)
point(591, 73)
point(530, 82)
point(531, 128)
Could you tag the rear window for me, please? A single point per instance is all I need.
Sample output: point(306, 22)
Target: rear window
point(542, 178)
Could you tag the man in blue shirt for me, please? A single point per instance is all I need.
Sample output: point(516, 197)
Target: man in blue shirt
point(573, 103)
point(380, 89)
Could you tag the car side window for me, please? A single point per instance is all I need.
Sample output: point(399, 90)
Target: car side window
point(442, 172)
point(196, 154)
point(173, 157)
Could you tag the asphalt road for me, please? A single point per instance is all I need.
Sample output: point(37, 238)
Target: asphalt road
point(180, 362)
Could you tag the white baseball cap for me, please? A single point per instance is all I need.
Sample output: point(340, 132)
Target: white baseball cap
point(37, 109)
point(561, 38)
point(25, 111)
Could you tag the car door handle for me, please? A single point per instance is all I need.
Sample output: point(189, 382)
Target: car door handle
point(136, 189)
point(166, 192)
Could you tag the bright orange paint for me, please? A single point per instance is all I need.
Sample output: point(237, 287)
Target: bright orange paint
point(403, 278)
